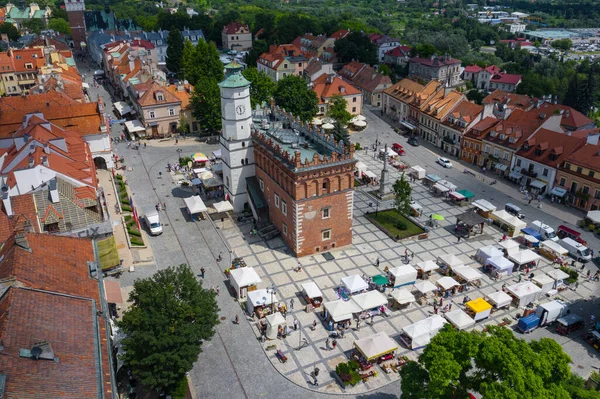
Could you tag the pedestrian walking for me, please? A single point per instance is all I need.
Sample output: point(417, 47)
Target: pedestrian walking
point(342, 333)
point(333, 344)
point(520, 276)
point(218, 290)
point(576, 285)
point(327, 344)
point(530, 199)
point(295, 324)
point(441, 302)
point(458, 239)
point(144, 145)
point(592, 320)
point(357, 324)
point(314, 374)
point(314, 325)
point(164, 206)
point(435, 309)
point(377, 262)
point(372, 319)
point(292, 304)
point(237, 319)
point(589, 273)
point(202, 272)
point(450, 306)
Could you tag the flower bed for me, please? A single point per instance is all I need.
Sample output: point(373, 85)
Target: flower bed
point(122, 192)
point(394, 224)
point(134, 233)
point(348, 372)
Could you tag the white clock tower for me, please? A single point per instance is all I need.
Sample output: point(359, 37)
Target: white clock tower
point(236, 145)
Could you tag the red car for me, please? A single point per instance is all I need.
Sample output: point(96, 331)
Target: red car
point(397, 147)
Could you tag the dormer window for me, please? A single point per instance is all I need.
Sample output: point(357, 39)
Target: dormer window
point(18, 57)
point(502, 137)
point(160, 96)
point(512, 140)
point(29, 65)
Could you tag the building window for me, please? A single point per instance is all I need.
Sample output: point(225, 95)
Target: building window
point(284, 207)
point(591, 173)
point(325, 212)
point(505, 156)
point(567, 165)
point(496, 153)
point(276, 200)
point(284, 229)
point(586, 190)
point(562, 182)
point(353, 109)
point(151, 115)
point(262, 185)
point(518, 162)
point(545, 172)
point(326, 234)
point(171, 112)
point(597, 196)
point(488, 148)
point(579, 170)
point(353, 99)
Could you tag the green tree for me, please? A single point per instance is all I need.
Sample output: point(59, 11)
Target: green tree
point(175, 44)
point(262, 88)
point(169, 318)
point(423, 50)
point(338, 109)
point(562, 44)
point(258, 47)
point(495, 364)
point(356, 46)
point(202, 62)
point(477, 44)
point(402, 194)
point(385, 70)
point(10, 30)
point(59, 25)
point(206, 105)
point(184, 127)
point(35, 25)
point(294, 95)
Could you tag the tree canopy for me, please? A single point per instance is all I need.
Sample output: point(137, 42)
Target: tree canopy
point(402, 194)
point(10, 30)
point(496, 364)
point(356, 46)
point(562, 44)
point(262, 88)
point(60, 25)
point(206, 105)
point(175, 51)
point(294, 95)
point(201, 62)
point(169, 318)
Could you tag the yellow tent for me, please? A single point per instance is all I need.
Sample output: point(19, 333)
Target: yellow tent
point(480, 308)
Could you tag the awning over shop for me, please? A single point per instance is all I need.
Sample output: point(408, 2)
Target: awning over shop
point(515, 175)
point(195, 204)
point(440, 188)
point(466, 193)
point(112, 289)
point(559, 192)
point(501, 167)
point(216, 154)
point(108, 253)
point(122, 107)
point(457, 196)
point(408, 125)
point(538, 184)
point(134, 126)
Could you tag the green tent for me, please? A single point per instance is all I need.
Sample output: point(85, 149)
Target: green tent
point(466, 193)
point(380, 279)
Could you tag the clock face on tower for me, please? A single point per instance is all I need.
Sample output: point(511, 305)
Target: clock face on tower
point(240, 110)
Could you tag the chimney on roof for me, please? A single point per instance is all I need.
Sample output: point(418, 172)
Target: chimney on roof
point(21, 241)
point(46, 148)
point(52, 188)
point(6, 200)
point(31, 162)
point(44, 160)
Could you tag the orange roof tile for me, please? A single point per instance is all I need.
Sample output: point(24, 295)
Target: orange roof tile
point(550, 148)
point(149, 98)
point(326, 87)
point(587, 156)
point(185, 95)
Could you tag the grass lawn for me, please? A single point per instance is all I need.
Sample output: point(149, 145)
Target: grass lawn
point(387, 221)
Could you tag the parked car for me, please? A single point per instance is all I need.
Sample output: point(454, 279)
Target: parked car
point(514, 210)
point(396, 147)
point(445, 162)
point(152, 220)
point(578, 251)
point(414, 141)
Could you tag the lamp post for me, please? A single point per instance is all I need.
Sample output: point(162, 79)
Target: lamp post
point(271, 290)
point(376, 206)
point(179, 151)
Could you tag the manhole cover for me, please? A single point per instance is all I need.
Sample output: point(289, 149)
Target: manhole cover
point(223, 318)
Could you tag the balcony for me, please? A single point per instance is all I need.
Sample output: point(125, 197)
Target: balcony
point(526, 172)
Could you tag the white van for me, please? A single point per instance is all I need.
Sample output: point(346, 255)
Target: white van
point(153, 221)
point(576, 250)
point(545, 231)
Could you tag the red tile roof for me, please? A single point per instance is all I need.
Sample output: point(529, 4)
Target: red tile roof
point(185, 95)
point(340, 34)
point(506, 78)
point(587, 156)
point(493, 69)
point(482, 127)
point(326, 87)
point(236, 27)
point(473, 69)
point(400, 51)
point(550, 148)
point(516, 128)
point(571, 118)
point(150, 98)
point(435, 61)
point(466, 111)
point(511, 100)
point(24, 214)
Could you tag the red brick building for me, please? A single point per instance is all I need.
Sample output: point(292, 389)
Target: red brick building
point(75, 11)
point(305, 189)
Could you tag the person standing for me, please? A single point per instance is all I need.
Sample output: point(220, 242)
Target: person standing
point(333, 344)
point(327, 344)
point(377, 262)
point(292, 304)
point(295, 324)
point(202, 272)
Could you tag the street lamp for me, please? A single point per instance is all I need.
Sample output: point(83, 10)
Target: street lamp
point(271, 290)
point(179, 151)
point(376, 206)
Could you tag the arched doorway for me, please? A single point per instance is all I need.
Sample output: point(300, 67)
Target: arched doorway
point(100, 163)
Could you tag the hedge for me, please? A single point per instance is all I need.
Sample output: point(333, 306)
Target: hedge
point(573, 274)
point(126, 208)
point(135, 233)
point(136, 241)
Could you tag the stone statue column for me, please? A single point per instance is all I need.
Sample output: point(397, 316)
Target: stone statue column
point(384, 183)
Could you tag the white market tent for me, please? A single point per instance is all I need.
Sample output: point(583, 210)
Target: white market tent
point(505, 218)
point(369, 300)
point(511, 246)
point(195, 204)
point(354, 283)
point(223, 206)
point(390, 152)
point(484, 205)
point(417, 171)
point(312, 290)
point(484, 253)
point(447, 283)
point(421, 332)
point(467, 273)
point(543, 281)
point(441, 188)
point(403, 275)
point(340, 310)
point(122, 107)
point(370, 174)
point(360, 167)
point(524, 293)
point(554, 247)
point(594, 216)
point(459, 319)
point(216, 154)
point(501, 265)
point(259, 298)
point(447, 184)
point(242, 278)
point(273, 322)
point(427, 266)
point(376, 345)
point(134, 126)
point(557, 274)
point(403, 296)
point(499, 299)
point(450, 260)
point(359, 123)
point(523, 257)
point(424, 286)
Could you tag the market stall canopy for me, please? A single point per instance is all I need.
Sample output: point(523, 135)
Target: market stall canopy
point(403, 296)
point(424, 286)
point(244, 276)
point(457, 196)
point(260, 297)
point(447, 184)
point(559, 192)
point(427, 266)
point(341, 310)
point(376, 345)
point(312, 290)
point(370, 174)
point(543, 281)
point(122, 107)
point(499, 298)
point(196, 182)
point(441, 188)
point(523, 257)
point(450, 260)
point(484, 253)
point(500, 263)
point(467, 273)
point(594, 216)
point(195, 204)
point(484, 205)
point(354, 283)
point(199, 171)
point(211, 182)
point(509, 245)
point(360, 118)
point(275, 319)
point(405, 272)
point(525, 289)
point(379, 279)
point(433, 178)
point(223, 206)
point(369, 300)
point(466, 193)
point(134, 126)
point(390, 152)
point(216, 154)
point(470, 218)
point(415, 206)
point(478, 305)
point(447, 283)
point(360, 123)
point(436, 216)
point(551, 245)
point(459, 319)
point(422, 331)
point(557, 274)
point(360, 167)
point(199, 157)
point(328, 126)
point(217, 168)
point(317, 122)
point(417, 171)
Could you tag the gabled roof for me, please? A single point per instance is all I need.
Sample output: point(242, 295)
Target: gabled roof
point(482, 127)
point(435, 61)
point(587, 156)
point(571, 118)
point(236, 27)
point(550, 148)
point(314, 65)
point(370, 80)
point(506, 78)
point(327, 86)
point(404, 90)
point(185, 95)
point(149, 98)
point(340, 34)
point(473, 69)
point(351, 69)
point(23, 218)
point(465, 111)
point(400, 51)
point(441, 105)
point(511, 100)
point(493, 69)
point(516, 128)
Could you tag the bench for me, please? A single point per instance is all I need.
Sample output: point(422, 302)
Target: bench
point(282, 358)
